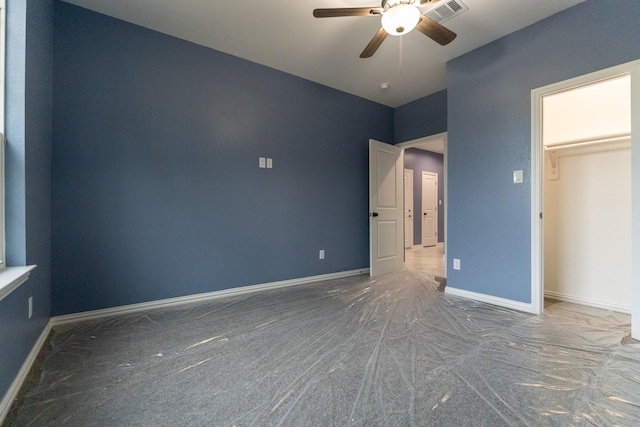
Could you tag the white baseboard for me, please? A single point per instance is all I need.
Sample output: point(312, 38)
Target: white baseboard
point(502, 302)
point(189, 299)
point(558, 296)
point(7, 400)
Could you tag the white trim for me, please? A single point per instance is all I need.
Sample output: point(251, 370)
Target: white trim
point(3, 232)
point(537, 205)
point(3, 58)
point(208, 296)
point(635, 199)
point(405, 192)
point(537, 233)
point(12, 393)
point(420, 141)
point(588, 302)
point(12, 277)
point(3, 104)
point(501, 302)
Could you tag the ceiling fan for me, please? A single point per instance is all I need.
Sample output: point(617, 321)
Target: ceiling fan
point(398, 18)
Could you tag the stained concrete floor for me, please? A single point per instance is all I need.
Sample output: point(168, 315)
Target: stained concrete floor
point(389, 351)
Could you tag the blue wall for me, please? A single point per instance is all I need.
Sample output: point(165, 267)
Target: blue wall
point(155, 180)
point(419, 161)
point(156, 190)
point(489, 119)
point(28, 175)
point(422, 117)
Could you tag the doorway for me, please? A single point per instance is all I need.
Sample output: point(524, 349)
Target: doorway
point(586, 139)
point(408, 208)
point(426, 159)
point(430, 199)
point(540, 174)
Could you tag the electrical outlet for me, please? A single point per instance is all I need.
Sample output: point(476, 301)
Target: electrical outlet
point(30, 307)
point(321, 253)
point(269, 163)
point(262, 162)
point(456, 264)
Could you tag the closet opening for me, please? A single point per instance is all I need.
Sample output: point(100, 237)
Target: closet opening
point(586, 137)
point(582, 159)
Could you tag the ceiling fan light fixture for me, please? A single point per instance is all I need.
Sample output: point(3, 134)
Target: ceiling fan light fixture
point(400, 19)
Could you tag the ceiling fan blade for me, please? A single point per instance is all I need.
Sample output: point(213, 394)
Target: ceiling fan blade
point(348, 11)
point(435, 31)
point(374, 44)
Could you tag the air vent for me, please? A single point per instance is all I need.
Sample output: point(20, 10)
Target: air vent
point(443, 11)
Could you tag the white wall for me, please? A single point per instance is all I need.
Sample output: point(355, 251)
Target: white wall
point(596, 110)
point(587, 209)
point(588, 229)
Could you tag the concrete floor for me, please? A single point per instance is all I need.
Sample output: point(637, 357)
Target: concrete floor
point(427, 260)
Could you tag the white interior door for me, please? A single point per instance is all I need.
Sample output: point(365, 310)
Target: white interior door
point(429, 209)
point(408, 208)
point(385, 208)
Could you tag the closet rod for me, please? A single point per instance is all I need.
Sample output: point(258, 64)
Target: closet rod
point(588, 142)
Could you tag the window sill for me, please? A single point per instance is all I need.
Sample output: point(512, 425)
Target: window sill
point(12, 277)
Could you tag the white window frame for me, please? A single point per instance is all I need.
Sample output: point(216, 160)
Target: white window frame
point(10, 277)
point(3, 141)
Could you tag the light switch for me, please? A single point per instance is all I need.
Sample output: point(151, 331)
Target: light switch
point(517, 177)
point(269, 163)
point(261, 162)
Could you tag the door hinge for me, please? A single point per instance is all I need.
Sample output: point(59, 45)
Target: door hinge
point(540, 215)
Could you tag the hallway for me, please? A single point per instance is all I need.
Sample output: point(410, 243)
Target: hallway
point(426, 260)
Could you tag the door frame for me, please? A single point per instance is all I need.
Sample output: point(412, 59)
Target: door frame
point(410, 237)
point(537, 177)
point(419, 142)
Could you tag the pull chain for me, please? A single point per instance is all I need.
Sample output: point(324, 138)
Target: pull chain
point(400, 66)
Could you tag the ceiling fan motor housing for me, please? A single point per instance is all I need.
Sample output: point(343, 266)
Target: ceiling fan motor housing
point(388, 4)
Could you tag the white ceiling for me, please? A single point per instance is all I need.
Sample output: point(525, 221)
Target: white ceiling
point(284, 35)
point(436, 146)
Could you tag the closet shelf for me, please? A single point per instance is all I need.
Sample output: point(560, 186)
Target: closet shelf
point(584, 142)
